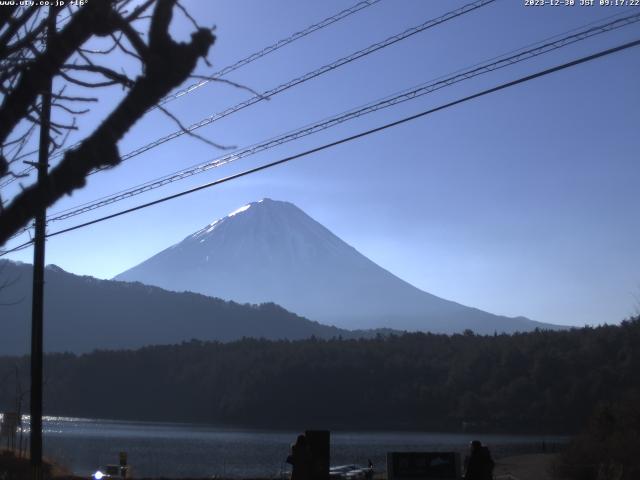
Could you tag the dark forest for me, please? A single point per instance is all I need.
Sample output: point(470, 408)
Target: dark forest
point(543, 381)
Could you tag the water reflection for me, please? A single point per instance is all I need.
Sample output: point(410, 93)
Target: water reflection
point(186, 450)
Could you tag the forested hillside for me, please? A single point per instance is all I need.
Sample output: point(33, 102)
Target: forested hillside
point(84, 313)
point(538, 381)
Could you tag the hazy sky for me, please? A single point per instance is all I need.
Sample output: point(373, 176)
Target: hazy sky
point(519, 203)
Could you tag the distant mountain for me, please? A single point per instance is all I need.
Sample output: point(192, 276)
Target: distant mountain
point(271, 251)
point(84, 313)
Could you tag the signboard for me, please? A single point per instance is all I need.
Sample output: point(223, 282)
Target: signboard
point(318, 441)
point(423, 465)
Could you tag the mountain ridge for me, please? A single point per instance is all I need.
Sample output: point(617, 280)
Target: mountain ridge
point(271, 250)
point(83, 313)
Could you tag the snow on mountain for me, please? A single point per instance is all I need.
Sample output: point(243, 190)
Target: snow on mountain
point(271, 251)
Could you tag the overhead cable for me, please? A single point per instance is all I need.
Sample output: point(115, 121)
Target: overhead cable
point(402, 97)
point(234, 66)
point(306, 77)
point(344, 140)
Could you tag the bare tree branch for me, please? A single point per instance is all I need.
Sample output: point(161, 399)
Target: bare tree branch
point(137, 13)
point(14, 25)
point(74, 98)
point(193, 134)
point(95, 18)
point(232, 83)
point(167, 64)
point(115, 77)
point(135, 40)
point(27, 39)
point(82, 83)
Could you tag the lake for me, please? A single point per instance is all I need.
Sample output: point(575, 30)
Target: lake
point(187, 450)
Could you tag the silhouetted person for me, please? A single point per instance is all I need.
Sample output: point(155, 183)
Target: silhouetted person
point(480, 464)
point(300, 458)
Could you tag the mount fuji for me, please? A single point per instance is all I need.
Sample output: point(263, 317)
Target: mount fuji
point(271, 251)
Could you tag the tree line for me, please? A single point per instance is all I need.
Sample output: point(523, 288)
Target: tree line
point(542, 381)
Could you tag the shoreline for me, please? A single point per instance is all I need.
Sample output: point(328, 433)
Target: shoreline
point(532, 466)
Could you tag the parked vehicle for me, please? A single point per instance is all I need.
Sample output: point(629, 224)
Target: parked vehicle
point(350, 472)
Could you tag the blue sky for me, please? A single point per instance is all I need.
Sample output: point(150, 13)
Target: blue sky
point(519, 203)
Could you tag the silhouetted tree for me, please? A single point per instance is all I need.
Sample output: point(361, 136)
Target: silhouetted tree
point(608, 447)
point(28, 61)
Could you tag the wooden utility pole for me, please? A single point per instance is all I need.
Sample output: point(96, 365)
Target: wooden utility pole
point(37, 305)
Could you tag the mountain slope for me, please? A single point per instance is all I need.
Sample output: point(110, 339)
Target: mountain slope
point(84, 313)
point(272, 251)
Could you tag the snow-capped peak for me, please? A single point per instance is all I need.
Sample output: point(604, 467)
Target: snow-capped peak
point(240, 210)
point(209, 228)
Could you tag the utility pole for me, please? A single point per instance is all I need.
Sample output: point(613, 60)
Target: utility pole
point(37, 305)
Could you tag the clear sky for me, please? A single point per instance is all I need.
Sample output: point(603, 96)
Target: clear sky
point(523, 202)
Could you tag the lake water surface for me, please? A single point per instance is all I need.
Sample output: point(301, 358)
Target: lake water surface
point(186, 450)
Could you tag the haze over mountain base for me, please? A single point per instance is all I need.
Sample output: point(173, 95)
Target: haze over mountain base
point(83, 314)
point(271, 251)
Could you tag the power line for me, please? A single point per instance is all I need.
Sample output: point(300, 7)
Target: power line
point(22, 246)
point(301, 79)
point(235, 66)
point(404, 96)
point(307, 76)
point(521, 50)
point(270, 49)
point(326, 146)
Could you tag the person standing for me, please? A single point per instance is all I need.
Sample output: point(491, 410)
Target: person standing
point(480, 464)
point(300, 459)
